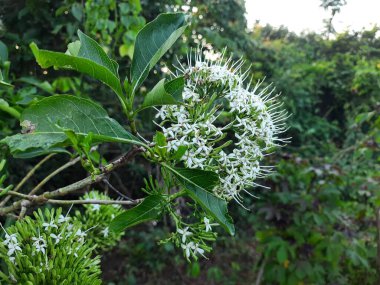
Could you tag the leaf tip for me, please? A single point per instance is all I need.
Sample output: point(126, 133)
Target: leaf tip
point(33, 46)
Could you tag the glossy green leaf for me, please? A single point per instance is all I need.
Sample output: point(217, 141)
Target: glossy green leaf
point(152, 42)
point(160, 144)
point(169, 93)
point(177, 155)
point(147, 210)
point(46, 122)
point(87, 57)
point(199, 184)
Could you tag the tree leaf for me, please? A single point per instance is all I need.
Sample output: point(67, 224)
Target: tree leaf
point(282, 254)
point(3, 83)
point(152, 42)
point(89, 59)
point(46, 121)
point(175, 88)
point(199, 184)
point(90, 49)
point(77, 11)
point(169, 93)
point(147, 210)
point(3, 52)
point(4, 106)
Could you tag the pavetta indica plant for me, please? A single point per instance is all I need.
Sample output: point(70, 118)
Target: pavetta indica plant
point(213, 130)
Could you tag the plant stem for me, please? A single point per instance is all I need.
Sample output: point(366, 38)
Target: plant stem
point(98, 202)
point(33, 198)
point(177, 195)
point(27, 176)
point(44, 198)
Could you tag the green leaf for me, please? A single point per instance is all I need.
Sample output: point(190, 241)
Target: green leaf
point(148, 210)
point(169, 93)
point(199, 184)
point(88, 58)
point(3, 52)
point(3, 83)
point(73, 48)
point(46, 122)
point(160, 144)
point(152, 42)
point(282, 254)
point(5, 190)
point(77, 11)
point(179, 152)
point(4, 106)
point(90, 49)
point(175, 88)
point(42, 85)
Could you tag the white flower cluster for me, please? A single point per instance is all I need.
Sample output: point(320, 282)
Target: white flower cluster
point(100, 216)
point(12, 244)
point(46, 239)
point(215, 93)
point(189, 247)
point(192, 238)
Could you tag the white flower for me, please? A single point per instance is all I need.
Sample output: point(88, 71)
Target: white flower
point(105, 232)
point(12, 243)
point(207, 224)
point(70, 227)
point(80, 234)
point(199, 250)
point(10, 239)
point(12, 248)
point(51, 224)
point(56, 237)
point(39, 243)
point(188, 247)
point(76, 251)
point(62, 219)
point(185, 233)
point(95, 207)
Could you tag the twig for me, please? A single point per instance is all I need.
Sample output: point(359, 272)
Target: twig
point(46, 196)
point(14, 193)
point(27, 199)
point(54, 173)
point(24, 207)
point(27, 176)
point(98, 202)
point(114, 189)
point(74, 187)
point(261, 272)
point(120, 182)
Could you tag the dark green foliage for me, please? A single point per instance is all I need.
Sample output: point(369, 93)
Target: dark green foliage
point(316, 225)
point(148, 210)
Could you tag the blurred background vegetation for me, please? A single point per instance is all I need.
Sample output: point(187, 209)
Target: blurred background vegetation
point(318, 223)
